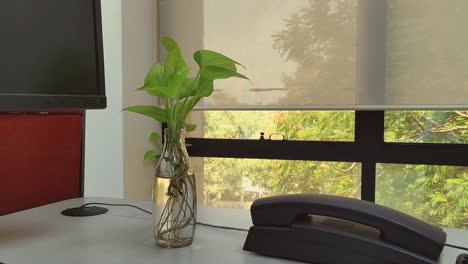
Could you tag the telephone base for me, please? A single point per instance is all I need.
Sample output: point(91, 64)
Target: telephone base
point(314, 244)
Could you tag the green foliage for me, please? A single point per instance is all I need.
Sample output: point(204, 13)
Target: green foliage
point(190, 127)
point(225, 176)
point(148, 110)
point(179, 92)
point(324, 126)
point(150, 154)
point(435, 194)
point(206, 58)
point(154, 153)
point(154, 137)
point(427, 127)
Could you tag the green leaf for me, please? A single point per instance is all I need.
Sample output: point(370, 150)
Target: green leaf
point(190, 127)
point(175, 69)
point(174, 59)
point(207, 88)
point(206, 58)
point(169, 89)
point(149, 110)
point(151, 154)
point(156, 82)
point(156, 73)
point(154, 137)
point(176, 82)
point(214, 72)
point(211, 73)
point(188, 87)
point(155, 90)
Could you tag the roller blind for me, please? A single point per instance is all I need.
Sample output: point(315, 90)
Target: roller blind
point(335, 54)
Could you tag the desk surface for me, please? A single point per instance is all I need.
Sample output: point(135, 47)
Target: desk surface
point(124, 235)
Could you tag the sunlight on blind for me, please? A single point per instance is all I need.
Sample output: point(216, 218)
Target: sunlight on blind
point(427, 55)
point(293, 50)
point(335, 54)
point(274, 39)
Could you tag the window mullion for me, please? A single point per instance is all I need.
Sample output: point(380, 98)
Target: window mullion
point(369, 139)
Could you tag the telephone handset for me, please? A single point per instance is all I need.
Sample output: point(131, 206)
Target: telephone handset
point(332, 229)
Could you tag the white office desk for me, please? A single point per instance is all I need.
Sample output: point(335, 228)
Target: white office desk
point(124, 235)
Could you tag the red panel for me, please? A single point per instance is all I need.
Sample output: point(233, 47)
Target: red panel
point(40, 160)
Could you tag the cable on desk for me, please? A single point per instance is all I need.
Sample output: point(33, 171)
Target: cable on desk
point(150, 213)
point(454, 246)
point(223, 227)
point(213, 226)
point(128, 205)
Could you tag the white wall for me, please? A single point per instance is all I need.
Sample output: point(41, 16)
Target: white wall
point(103, 137)
point(139, 53)
point(115, 141)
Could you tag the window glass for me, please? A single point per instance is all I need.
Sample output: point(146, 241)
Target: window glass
point(294, 125)
point(435, 194)
point(426, 127)
point(236, 183)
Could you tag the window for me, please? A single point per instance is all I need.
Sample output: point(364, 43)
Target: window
point(435, 194)
point(235, 170)
point(236, 183)
point(427, 127)
point(305, 56)
point(290, 125)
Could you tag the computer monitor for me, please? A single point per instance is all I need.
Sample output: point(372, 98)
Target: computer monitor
point(51, 55)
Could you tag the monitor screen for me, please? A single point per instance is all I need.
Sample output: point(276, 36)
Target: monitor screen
point(51, 55)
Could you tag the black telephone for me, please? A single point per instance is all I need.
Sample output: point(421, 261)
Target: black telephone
point(331, 229)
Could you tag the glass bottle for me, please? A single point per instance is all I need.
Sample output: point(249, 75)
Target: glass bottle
point(174, 194)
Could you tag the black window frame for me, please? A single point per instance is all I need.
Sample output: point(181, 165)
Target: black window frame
point(368, 148)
